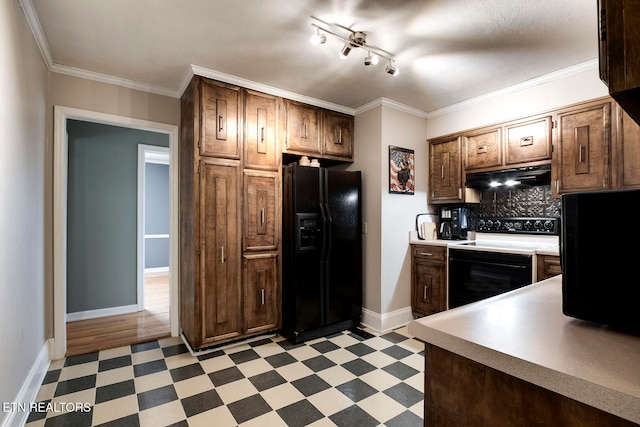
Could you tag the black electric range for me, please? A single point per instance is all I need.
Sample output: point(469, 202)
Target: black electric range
point(501, 258)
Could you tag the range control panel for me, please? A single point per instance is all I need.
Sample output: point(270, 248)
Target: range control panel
point(519, 225)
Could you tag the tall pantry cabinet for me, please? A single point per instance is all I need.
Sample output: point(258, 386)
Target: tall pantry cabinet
point(229, 213)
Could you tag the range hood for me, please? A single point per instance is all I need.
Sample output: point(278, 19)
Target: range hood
point(528, 176)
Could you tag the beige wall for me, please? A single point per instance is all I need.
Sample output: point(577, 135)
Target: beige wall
point(566, 89)
point(389, 217)
point(23, 85)
point(368, 159)
point(399, 210)
point(89, 95)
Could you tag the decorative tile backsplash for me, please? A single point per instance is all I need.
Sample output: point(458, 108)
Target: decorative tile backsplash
point(521, 202)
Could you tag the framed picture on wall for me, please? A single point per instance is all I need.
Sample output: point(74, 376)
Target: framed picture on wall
point(401, 170)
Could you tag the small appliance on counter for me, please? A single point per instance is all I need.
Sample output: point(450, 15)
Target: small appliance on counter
point(454, 223)
point(426, 228)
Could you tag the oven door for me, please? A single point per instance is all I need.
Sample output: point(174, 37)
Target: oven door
point(475, 275)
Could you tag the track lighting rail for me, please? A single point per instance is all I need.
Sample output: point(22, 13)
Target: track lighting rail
point(352, 40)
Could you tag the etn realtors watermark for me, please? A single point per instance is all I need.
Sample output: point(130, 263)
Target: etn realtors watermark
point(55, 407)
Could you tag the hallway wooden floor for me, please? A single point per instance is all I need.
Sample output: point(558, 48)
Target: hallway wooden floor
point(86, 336)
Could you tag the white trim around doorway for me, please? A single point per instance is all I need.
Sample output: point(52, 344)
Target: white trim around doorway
point(146, 154)
point(60, 171)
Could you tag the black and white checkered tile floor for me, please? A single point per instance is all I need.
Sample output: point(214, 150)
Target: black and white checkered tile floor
point(341, 380)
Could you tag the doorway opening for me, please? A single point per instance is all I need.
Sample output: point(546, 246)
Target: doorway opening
point(60, 214)
point(153, 230)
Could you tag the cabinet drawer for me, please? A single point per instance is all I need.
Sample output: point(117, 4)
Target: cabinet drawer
point(528, 141)
point(429, 253)
point(483, 149)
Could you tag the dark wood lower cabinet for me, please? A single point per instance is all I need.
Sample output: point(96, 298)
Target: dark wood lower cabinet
point(262, 293)
point(548, 266)
point(428, 279)
point(461, 392)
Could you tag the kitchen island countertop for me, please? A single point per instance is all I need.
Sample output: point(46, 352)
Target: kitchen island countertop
point(525, 334)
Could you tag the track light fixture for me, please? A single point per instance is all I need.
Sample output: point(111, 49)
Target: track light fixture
point(371, 59)
point(356, 39)
point(345, 50)
point(318, 38)
point(392, 69)
point(352, 40)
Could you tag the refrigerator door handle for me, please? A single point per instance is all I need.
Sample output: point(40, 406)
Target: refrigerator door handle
point(323, 221)
point(328, 231)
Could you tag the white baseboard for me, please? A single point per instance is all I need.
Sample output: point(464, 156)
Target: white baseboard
point(386, 322)
point(102, 312)
point(156, 270)
point(19, 408)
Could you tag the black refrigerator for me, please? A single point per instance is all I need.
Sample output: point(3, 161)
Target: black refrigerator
point(322, 252)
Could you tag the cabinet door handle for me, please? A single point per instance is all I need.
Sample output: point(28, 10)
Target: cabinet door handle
point(425, 291)
point(221, 112)
point(262, 296)
point(526, 140)
point(581, 154)
point(442, 171)
point(262, 135)
point(339, 136)
point(426, 253)
point(262, 216)
point(222, 254)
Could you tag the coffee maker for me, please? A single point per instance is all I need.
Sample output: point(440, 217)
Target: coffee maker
point(453, 223)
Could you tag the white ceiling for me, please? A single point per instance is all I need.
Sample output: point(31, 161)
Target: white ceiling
point(448, 51)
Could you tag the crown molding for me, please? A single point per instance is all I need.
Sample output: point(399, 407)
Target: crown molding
point(249, 84)
point(36, 29)
point(391, 104)
point(565, 72)
point(105, 78)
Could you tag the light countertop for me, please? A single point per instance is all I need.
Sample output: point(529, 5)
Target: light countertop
point(414, 240)
point(525, 334)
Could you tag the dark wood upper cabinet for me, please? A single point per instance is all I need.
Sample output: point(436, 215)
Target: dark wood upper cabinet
point(483, 148)
point(445, 170)
point(619, 36)
point(337, 134)
point(316, 132)
point(303, 128)
point(261, 147)
point(528, 140)
point(626, 152)
point(583, 142)
point(219, 112)
point(514, 144)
